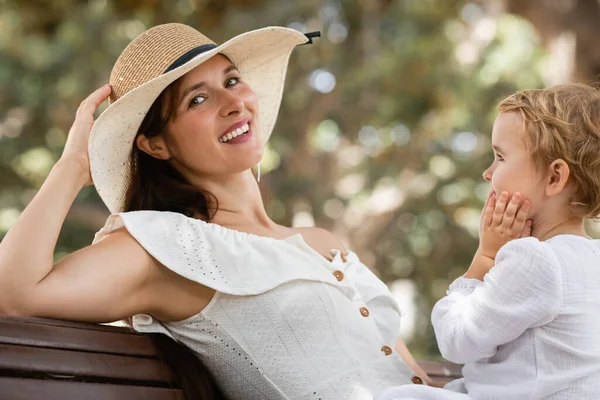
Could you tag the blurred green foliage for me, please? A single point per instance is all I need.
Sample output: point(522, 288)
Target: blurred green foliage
point(383, 132)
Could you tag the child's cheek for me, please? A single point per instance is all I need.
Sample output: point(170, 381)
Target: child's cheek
point(498, 184)
point(504, 181)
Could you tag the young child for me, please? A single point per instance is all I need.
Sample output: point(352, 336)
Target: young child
point(525, 318)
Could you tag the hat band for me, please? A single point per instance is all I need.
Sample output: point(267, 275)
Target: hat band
point(188, 55)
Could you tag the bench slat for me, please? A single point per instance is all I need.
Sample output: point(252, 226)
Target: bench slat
point(60, 337)
point(441, 371)
point(81, 364)
point(71, 324)
point(27, 389)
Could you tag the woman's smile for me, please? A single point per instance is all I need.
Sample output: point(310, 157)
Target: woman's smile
point(239, 132)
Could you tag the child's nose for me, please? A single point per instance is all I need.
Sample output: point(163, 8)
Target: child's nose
point(487, 175)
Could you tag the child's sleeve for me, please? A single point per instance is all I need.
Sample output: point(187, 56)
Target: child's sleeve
point(521, 291)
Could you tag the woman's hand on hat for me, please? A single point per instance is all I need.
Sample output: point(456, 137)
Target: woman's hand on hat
point(504, 219)
point(76, 148)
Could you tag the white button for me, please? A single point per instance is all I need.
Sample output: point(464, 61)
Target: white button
point(142, 319)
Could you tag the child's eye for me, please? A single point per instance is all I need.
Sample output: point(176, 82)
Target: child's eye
point(232, 81)
point(197, 100)
point(499, 157)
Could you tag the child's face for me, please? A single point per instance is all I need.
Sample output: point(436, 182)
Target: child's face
point(513, 169)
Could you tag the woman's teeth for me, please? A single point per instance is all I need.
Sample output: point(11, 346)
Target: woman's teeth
point(233, 134)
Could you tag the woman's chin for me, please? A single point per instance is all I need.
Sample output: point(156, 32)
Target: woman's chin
point(248, 163)
point(257, 155)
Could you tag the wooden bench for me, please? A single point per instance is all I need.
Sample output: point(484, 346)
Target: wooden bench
point(44, 358)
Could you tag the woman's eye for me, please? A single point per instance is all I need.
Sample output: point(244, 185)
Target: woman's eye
point(232, 81)
point(196, 100)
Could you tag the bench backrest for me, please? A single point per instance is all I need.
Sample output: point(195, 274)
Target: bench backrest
point(54, 359)
point(72, 360)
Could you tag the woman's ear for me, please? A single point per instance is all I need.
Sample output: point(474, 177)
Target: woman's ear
point(154, 146)
point(558, 176)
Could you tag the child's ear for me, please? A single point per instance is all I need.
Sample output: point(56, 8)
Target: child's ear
point(558, 175)
point(154, 146)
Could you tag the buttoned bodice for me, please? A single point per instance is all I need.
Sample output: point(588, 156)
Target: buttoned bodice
point(285, 322)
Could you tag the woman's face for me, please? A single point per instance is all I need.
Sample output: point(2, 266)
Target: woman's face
point(215, 129)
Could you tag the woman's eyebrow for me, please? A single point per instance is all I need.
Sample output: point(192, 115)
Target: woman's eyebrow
point(229, 69)
point(191, 89)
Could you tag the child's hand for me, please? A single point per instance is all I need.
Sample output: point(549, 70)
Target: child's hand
point(503, 221)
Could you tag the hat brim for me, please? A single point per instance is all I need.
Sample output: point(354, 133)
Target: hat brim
point(261, 56)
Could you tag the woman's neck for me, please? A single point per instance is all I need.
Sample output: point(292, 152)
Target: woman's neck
point(239, 201)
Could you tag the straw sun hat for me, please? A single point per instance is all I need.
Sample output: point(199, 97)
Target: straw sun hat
point(154, 60)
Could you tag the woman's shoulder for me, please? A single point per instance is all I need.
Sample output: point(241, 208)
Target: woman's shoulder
point(145, 222)
point(317, 233)
point(120, 241)
point(321, 239)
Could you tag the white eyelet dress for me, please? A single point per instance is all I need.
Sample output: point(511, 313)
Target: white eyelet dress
point(285, 322)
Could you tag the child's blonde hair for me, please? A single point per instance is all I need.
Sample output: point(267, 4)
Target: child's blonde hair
point(563, 122)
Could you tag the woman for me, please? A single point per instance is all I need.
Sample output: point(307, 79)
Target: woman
point(189, 251)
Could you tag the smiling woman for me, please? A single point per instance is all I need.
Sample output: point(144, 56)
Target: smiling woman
point(184, 132)
point(214, 103)
point(189, 254)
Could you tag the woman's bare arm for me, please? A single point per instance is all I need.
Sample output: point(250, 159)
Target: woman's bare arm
point(105, 282)
point(26, 252)
point(100, 282)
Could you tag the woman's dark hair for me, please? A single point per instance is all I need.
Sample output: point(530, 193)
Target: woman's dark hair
point(157, 185)
point(192, 377)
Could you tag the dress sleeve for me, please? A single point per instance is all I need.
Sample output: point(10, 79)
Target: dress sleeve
point(226, 260)
point(523, 290)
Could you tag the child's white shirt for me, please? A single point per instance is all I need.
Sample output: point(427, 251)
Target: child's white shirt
point(531, 328)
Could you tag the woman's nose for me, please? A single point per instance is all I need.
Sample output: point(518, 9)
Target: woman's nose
point(231, 103)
